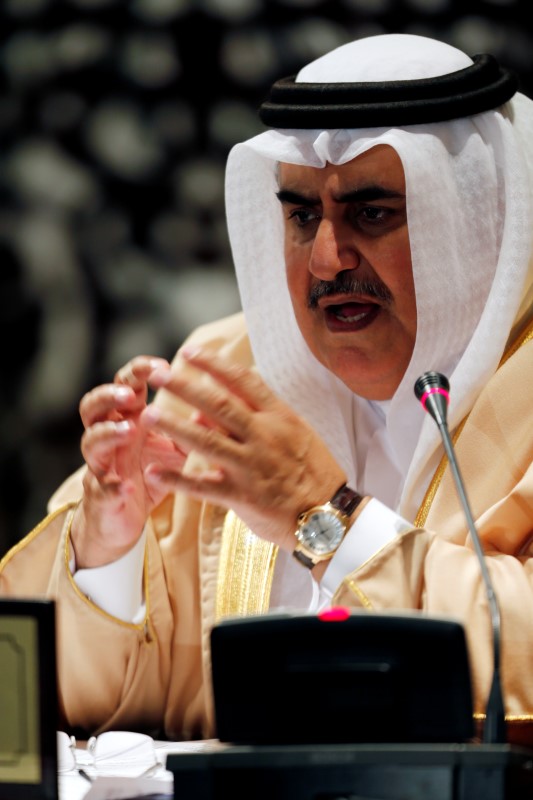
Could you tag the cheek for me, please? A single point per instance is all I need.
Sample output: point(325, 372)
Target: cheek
point(397, 274)
point(404, 293)
point(298, 275)
point(402, 280)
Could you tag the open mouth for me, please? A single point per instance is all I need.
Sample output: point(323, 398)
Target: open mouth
point(350, 316)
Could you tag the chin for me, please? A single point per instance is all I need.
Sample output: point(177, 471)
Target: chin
point(366, 383)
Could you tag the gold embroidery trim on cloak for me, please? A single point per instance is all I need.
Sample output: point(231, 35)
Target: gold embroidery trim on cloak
point(144, 626)
point(525, 336)
point(39, 528)
point(245, 571)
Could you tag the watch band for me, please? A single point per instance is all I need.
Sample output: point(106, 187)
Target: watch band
point(346, 500)
point(307, 561)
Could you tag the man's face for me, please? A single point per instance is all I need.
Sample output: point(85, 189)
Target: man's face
point(349, 267)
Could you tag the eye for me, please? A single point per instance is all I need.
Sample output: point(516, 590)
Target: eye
point(374, 214)
point(371, 212)
point(303, 216)
point(376, 220)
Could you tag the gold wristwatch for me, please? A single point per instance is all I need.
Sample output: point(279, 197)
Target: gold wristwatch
point(321, 529)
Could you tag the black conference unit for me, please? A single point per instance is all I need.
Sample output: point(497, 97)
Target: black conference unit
point(346, 705)
point(355, 772)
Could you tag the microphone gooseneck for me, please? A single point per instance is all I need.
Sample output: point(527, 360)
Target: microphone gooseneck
point(432, 389)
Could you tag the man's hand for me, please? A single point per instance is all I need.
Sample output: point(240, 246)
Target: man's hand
point(117, 450)
point(266, 462)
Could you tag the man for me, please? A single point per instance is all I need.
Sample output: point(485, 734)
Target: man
point(381, 228)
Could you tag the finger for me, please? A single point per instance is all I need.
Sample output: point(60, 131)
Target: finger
point(190, 436)
point(225, 410)
point(243, 382)
point(156, 445)
point(210, 485)
point(202, 419)
point(136, 371)
point(107, 402)
point(172, 460)
point(100, 443)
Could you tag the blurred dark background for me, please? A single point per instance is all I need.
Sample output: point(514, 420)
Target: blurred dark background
point(116, 118)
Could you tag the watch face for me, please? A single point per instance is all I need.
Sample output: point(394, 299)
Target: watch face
point(321, 532)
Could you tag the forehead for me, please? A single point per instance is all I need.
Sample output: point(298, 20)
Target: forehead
point(379, 166)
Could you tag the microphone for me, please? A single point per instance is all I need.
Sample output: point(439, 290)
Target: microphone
point(432, 389)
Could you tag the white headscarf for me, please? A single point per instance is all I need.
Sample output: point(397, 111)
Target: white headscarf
point(470, 220)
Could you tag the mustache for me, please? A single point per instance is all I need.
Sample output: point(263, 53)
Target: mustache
point(346, 283)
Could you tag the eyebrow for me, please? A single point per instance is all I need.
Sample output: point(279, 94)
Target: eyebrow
point(364, 195)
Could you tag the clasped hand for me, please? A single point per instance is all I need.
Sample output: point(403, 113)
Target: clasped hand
point(262, 459)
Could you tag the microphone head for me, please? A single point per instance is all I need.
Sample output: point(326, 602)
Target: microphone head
point(431, 380)
point(432, 389)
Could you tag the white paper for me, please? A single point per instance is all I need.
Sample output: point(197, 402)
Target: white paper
point(111, 788)
point(123, 781)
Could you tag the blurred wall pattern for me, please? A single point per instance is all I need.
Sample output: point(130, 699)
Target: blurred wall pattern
point(116, 117)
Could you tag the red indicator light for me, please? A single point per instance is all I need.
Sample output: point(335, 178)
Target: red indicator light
point(335, 614)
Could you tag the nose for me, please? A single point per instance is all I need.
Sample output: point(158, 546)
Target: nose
point(333, 251)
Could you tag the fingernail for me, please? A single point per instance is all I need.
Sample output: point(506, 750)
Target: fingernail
point(159, 362)
point(151, 415)
point(189, 351)
point(160, 376)
point(121, 393)
point(123, 426)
